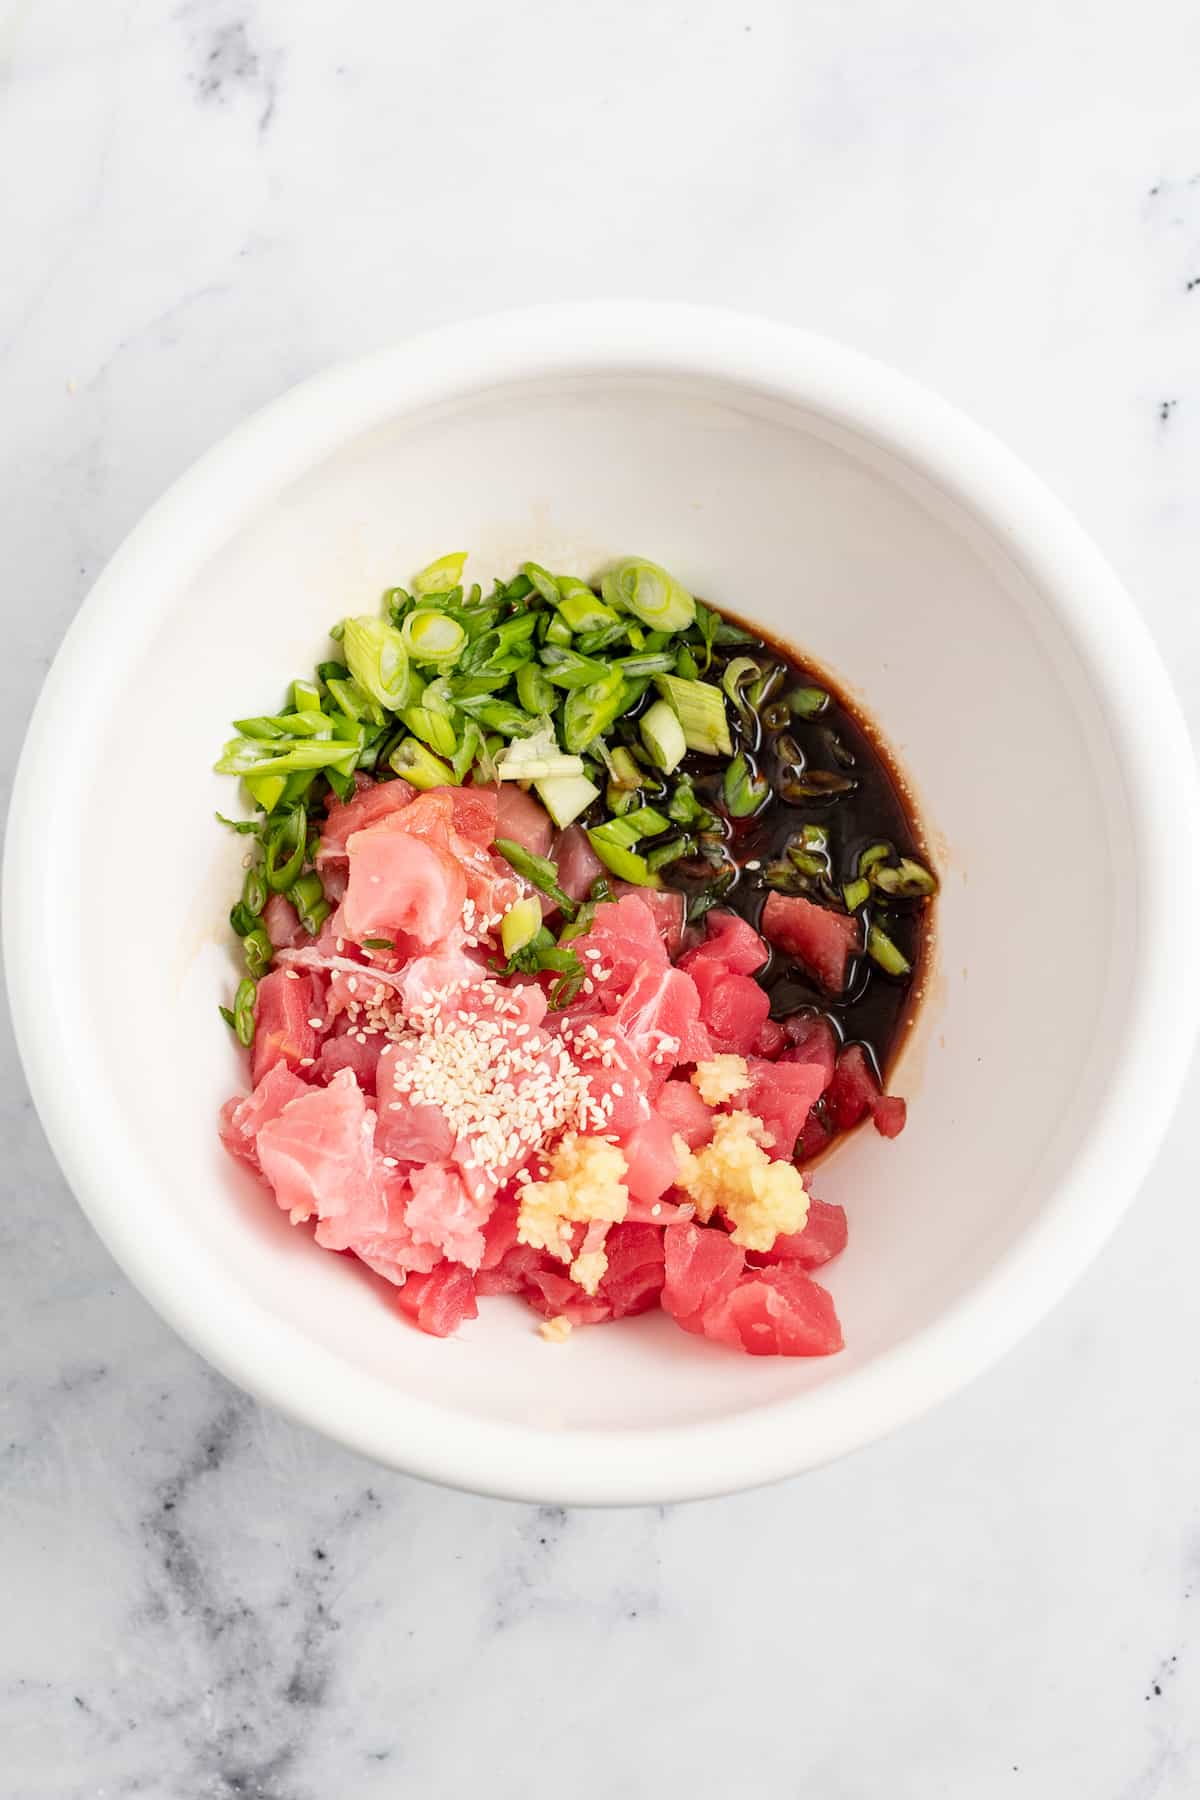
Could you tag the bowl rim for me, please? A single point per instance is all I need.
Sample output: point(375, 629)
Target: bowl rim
point(209, 502)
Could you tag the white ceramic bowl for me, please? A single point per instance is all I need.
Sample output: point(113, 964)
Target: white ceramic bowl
point(852, 514)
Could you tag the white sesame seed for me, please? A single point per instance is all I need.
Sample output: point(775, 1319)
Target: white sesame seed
point(316, 1024)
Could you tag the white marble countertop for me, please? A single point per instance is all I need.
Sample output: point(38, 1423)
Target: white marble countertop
point(207, 199)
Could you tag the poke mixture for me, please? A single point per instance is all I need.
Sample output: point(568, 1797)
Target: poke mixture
point(577, 922)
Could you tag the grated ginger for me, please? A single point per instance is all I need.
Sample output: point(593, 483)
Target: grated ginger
point(584, 1184)
point(720, 1078)
point(763, 1199)
point(556, 1330)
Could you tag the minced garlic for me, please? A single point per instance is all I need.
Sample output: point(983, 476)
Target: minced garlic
point(720, 1078)
point(762, 1199)
point(557, 1330)
point(584, 1183)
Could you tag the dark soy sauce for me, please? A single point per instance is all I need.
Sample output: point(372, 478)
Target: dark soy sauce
point(876, 1007)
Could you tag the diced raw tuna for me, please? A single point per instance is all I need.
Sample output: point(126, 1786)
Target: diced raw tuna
point(439, 1302)
point(282, 925)
point(378, 1236)
point(703, 1267)
point(618, 1074)
point(823, 1237)
point(853, 1091)
point(578, 864)
point(636, 1269)
point(461, 824)
point(514, 1271)
point(685, 1112)
point(659, 1014)
point(653, 1166)
point(410, 1133)
point(555, 1295)
point(318, 1156)
point(890, 1115)
point(449, 968)
point(668, 908)
point(778, 1311)
point(519, 817)
point(372, 801)
point(731, 941)
point(771, 1040)
point(815, 1137)
point(780, 1094)
point(624, 935)
point(242, 1120)
point(733, 1007)
point(824, 941)
point(283, 1006)
point(441, 1212)
point(398, 882)
point(343, 1051)
point(499, 1233)
point(811, 1039)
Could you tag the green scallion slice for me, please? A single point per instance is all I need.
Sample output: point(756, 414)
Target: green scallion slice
point(539, 871)
point(700, 709)
point(440, 576)
point(433, 637)
point(890, 958)
point(647, 591)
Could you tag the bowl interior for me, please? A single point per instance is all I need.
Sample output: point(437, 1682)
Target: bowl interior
point(832, 542)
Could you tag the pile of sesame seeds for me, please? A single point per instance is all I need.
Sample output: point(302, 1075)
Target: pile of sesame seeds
point(505, 1088)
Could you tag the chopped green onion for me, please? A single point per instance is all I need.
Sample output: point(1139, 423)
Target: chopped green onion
point(242, 919)
point(534, 757)
point(807, 702)
point(543, 581)
point(796, 784)
point(663, 736)
point(378, 944)
point(440, 576)
point(684, 808)
point(889, 956)
point(623, 770)
point(874, 853)
point(254, 891)
point(354, 703)
point(650, 594)
point(258, 950)
point(263, 729)
point(535, 693)
point(500, 715)
point(468, 749)
point(713, 894)
point(227, 1014)
point(743, 788)
point(305, 697)
point(700, 709)
point(737, 673)
point(648, 662)
point(909, 880)
point(245, 827)
point(378, 659)
point(625, 863)
point(416, 763)
point(433, 728)
point(567, 669)
point(287, 840)
point(539, 871)
point(471, 687)
point(520, 925)
point(670, 852)
point(856, 894)
point(566, 796)
point(646, 822)
point(433, 637)
point(590, 711)
point(582, 609)
point(243, 1010)
point(265, 790)
point(502, 649)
